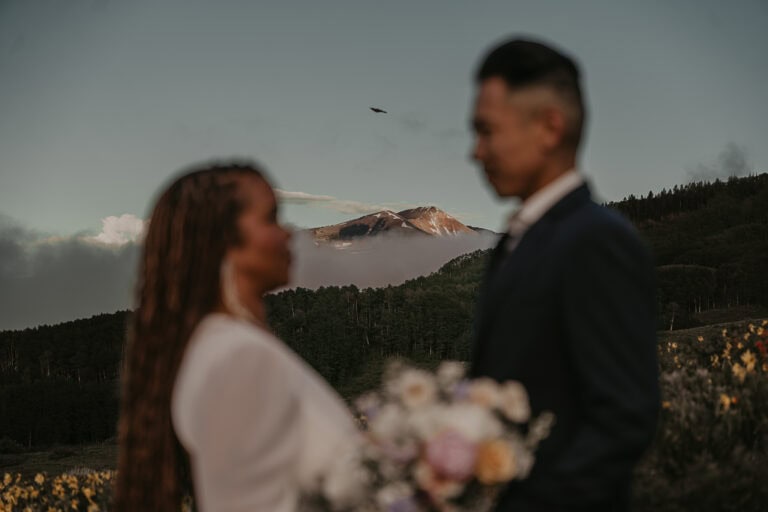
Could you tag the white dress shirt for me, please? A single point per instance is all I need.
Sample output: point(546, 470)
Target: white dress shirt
point(258, 423)
point(534, 208)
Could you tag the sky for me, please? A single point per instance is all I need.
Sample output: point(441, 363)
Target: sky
point(102, 102)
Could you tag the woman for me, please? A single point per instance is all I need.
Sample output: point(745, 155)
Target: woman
point(210, 397)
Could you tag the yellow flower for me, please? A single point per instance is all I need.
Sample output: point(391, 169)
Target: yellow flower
point(39, 479)
point(760, 331)
point(725, 401)
point(739, 371)
point(74, 504)
point(725, 332)
point(88, 492)
point(495, 462)
point(666, 404)
point(764, 323)
point(700, 339)
point(751, 327)
point(7, 479)
point(749, 360)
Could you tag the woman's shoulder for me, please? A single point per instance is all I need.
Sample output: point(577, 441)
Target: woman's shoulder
point(220, 337)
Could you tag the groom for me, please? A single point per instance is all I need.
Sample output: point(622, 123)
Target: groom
point(567, 306)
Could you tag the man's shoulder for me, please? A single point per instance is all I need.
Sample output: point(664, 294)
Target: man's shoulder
point(593, 223)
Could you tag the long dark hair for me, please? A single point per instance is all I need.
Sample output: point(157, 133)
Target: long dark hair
point(193, 223)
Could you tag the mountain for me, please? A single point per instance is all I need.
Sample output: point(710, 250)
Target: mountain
point(422, 221)
point(434, 221)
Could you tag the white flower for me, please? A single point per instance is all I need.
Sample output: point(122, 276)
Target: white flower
point(415, 388)
point(389, 423)
point(345, 482)
point(484, 392)
point(449, 373)
point(427, 422)
point(472, 421)
point(514, 402)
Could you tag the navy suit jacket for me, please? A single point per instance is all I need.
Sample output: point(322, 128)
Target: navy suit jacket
point(571, 314)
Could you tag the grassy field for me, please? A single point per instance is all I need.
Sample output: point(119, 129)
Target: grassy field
point(712, 444)
point(61, 459)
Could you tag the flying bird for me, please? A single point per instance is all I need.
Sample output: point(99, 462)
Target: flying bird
point(378, 110)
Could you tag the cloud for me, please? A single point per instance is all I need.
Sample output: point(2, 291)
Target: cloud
point(732, 161)
point(119, 230)
point(379, 261)
point(45, 280)
point(50, 280)
point(333, 203)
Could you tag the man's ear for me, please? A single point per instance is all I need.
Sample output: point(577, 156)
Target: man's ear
point(553, 124)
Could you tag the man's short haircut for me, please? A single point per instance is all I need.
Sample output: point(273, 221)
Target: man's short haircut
point(524, 63)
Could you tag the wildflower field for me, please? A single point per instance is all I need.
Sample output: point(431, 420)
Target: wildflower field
point(711, 449)
point(710, 453)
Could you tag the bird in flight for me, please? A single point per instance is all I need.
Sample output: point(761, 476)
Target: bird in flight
point(378, 110)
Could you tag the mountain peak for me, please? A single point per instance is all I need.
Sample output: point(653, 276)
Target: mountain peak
point(420, 221)
point(434, 221)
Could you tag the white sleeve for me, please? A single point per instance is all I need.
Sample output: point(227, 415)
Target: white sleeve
point(244, 433)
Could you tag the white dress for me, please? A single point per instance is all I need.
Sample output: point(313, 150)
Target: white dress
point(259, 424)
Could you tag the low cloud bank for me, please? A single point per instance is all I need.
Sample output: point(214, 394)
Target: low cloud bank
point(51, 280)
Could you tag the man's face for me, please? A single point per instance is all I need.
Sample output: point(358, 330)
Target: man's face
point(509, 138)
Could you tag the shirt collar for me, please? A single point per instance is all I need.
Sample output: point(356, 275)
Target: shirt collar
point(541, 201)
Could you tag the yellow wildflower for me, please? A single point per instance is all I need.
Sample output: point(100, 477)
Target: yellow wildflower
point(739, 372)
point(715, 360)
point(749, 360)
point(725, 332)
point(725, 401)
point(764, 323)
point(700, 339)
point(74, 504)
point(666, 404)
point(760, 331)
point(39, 479)
point(7, 479)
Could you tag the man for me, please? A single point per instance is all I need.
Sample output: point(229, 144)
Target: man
point(567, 306)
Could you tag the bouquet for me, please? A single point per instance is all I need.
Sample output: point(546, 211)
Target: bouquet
point(436, 442)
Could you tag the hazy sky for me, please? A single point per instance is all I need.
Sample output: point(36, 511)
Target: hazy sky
point(100, 102)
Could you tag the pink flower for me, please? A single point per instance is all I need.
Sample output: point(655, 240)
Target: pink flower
point(451, 455)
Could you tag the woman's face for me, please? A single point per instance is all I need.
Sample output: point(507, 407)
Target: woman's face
point(262, 258)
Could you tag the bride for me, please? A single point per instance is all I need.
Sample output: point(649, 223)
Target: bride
point(212, 402)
